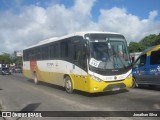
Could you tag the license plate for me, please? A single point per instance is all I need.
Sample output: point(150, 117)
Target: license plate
point(115, 89)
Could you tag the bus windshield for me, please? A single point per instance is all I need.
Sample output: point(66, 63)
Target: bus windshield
point(109, 53)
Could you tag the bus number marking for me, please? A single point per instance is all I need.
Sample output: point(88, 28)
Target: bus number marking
point(94, 62)
point(50, 65)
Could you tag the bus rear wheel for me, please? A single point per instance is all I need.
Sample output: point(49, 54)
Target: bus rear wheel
point(35, 79)
point(68, 85)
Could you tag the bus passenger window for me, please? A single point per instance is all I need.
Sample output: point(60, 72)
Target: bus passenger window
point(80, 57)
point(56, 51)
point(84, 59)
point(76, 55)
point(51, 48)
point(141, 61)
point(155, 57)
point(64, 48)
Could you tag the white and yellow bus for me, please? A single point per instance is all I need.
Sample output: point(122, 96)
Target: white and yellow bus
point(86, 61)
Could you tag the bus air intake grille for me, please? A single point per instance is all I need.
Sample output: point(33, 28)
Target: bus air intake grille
point(114, 81)
point(112, 86)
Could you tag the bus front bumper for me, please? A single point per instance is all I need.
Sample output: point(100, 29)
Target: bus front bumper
point(109, 86)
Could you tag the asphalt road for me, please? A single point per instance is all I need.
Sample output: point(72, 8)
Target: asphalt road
point(18, 93)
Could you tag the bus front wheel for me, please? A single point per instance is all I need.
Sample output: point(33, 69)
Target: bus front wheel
point(134, 84)
point(68, 85)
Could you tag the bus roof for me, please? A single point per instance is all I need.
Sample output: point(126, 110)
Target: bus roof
point(52, 39)
point(150, 49)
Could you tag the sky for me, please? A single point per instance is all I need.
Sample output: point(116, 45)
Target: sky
point(26, 22)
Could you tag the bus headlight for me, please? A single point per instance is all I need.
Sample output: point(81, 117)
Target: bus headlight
point(129, 76)
point(96, 78)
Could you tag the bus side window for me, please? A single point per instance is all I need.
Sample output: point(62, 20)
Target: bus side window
point(45, 52)
point(136, 64)
point(32, 54)
point(76, 55)
point(84, 58)
point(155, 57)
point(141, 61)
point(79, 56)
point(65, 49)
point(51, 49)
point(56, 51)
point(38, 53)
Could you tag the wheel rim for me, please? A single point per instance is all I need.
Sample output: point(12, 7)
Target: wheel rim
point(68, 86)
point(35, 79)
point(134, 84)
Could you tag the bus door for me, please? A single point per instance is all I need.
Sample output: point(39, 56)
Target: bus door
point(80, 66)
point(140, 69)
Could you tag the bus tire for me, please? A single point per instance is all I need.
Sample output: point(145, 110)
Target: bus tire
point(134, 84)
point(35, 78)
point(68, 85)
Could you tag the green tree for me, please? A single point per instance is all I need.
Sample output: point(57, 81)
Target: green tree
point(146, 42)
point(6, 58)
point(149, 40)
point(157, 40)
point(136, 47)
point(18, 60)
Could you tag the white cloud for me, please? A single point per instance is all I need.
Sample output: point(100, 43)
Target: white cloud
point(35, 23)
point(118, 20)
point(153, 14)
